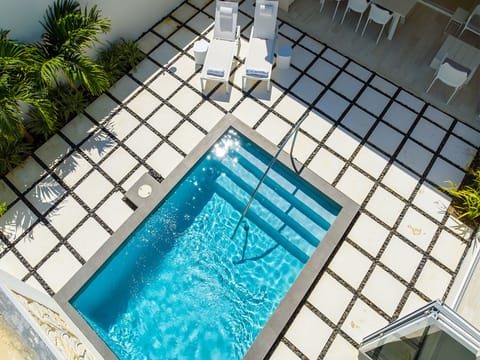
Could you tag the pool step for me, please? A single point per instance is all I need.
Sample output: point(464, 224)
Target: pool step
point(261, 223)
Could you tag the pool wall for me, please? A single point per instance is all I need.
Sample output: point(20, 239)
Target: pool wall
point(288, 306)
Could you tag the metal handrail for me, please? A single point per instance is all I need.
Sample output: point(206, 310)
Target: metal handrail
point(270, 165)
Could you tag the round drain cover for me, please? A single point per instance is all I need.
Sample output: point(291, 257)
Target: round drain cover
point(144, 191)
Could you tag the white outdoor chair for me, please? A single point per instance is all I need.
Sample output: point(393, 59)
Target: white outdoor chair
point(450, 76)
point(322, 4)
point(359, 6)
point(260, 55)
point(473, 22)
point(226, 34)
point(378, 16)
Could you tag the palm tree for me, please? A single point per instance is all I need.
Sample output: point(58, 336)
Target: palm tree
point(69, 32)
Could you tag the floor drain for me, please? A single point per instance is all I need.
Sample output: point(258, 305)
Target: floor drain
point(144, 191)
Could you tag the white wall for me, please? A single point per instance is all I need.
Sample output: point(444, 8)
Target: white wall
point(129, 18)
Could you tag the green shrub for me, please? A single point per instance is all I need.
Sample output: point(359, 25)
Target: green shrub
point(3, 208)
point(12, 153)
point(119, 57)
point(467, 198)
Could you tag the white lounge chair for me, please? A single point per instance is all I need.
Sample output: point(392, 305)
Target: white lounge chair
point(226, 33)
point(260, 55)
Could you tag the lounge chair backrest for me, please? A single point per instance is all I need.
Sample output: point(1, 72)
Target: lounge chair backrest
point(225, 20)
point(265, 22)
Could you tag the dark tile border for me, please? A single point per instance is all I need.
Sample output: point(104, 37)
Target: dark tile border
point(274, 327)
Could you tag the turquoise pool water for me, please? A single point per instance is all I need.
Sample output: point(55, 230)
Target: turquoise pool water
point(180, 287)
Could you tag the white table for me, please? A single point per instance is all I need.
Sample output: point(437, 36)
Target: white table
point(399, 8)
point(462, 53)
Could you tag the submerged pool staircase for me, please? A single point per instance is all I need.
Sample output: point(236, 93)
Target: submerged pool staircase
point(275, 205)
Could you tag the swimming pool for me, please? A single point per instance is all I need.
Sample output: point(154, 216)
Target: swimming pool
point(180, 287)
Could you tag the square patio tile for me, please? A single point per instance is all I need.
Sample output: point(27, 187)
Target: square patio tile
point(282, 352)
point(185, 100)
point(165, 85)
point(401, 258)
point(341, 349)
point(102, 108)
point(308, 333)
point(137, 174)
point(334, 57)
point(144, 104)
point(342, 142)
point(415, 156)
point(347, 85)
point(400, 180)
point(66, 215)
point(414, 302)
point(145, 71)
point(417, 228)
point(291, 108)
point(332, 104)
point(385, 138)
point(358, 121)
point(267, 98)
point(122, 124)
point(458, 151)
point(433, 281)
point(54, 150)
point(93, 189)
point(350, 265)
point(355, 185)
point(166, 27)
point(316, 125)
point(16, 220)
point(37, 244)
point(182, 38)
point(442, 172)
point(304, 147)
point(362, 321)
point(385, 206)
point(370, 161)
point(448, 250)
point(141, 142)
point(88, 238)
point(78, 128)
point(164, 120)
point(432, 202)
point(207, 115)
point(11, 264)
point(284, 77)
point(98, 146)
point(375, 288)
point(184, 67)
point(438, 117)
point(118, 164)
point(165, 54)
point(72, 169)
point(467, 133)
point(383, 85)
point(184, 12)
point(63, 259)
point(249, 111)
point(186, 137)
point(201, 22)
point(358, 71)
point(307, 89)
point(323, 71)
point(290, 32)
point(330, 297)
point(399, 117)
point(326, 165)
point(301, 57)
point(164, 159)
point(273, 128)
point(45, 194)
point(312, 44)
point(368, 234)
point(148, 41)
point(373, 101)
point(114, 211)
point(27, 173)
point(124, 89)
point(411, 101)
point(6, 193)
point(428, 134)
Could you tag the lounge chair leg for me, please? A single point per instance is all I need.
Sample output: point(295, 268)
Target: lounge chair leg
point(435, 78)
point(380, 35)
point(359, 20)
point(451, 96)
point(365, 28)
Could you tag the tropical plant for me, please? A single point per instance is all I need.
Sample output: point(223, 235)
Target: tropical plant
point(3, 208)
point(119, 58)
point(12, 153)
point(69, 33)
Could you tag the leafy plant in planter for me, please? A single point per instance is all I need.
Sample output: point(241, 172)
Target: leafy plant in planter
point(3, 208)
point(119, 58)
point(12, 153)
